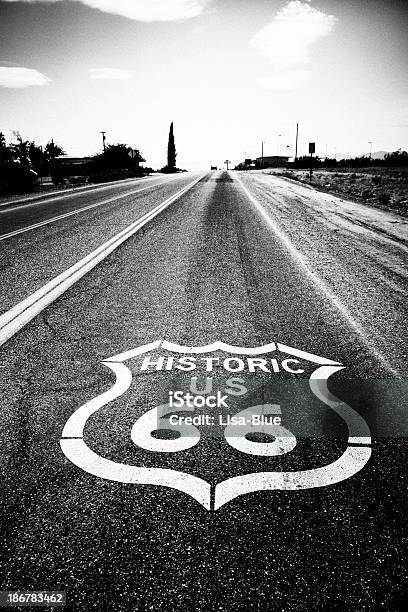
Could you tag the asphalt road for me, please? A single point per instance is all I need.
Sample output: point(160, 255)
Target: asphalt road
point(26, 265)
point(248, 260)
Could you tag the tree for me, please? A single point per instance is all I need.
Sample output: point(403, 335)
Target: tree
point(171, 152)
point(16, 172)
point(118, 157)
point(397, 158)
point(37, 158)
point(5, 153)
point(21, 150)
point(43, 159)
point(22, 161)
point(118, 161)
point(52, 151)
point(303, 162)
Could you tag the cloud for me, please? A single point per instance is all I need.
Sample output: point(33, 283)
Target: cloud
point(144, 10)
point(284, 81)
point(18, 78)
point(106, 74)
point(286, 41)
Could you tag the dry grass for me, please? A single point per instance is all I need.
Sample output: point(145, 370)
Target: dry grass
point(385, 188)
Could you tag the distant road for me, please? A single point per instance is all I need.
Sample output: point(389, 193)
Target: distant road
point(24, 214)
point(42, 238)
point(249, 260)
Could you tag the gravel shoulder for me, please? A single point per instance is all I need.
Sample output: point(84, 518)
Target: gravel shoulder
point(384, 188)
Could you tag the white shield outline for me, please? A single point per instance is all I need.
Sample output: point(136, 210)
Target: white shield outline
point(354, 458)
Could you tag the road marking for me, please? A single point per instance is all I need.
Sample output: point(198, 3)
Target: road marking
point(21, 314)
point(351, 461)
point(75, 212)
point(48, 195)
point(83, 457)
point(68, 193)
point(317, 281)
point(78, 452)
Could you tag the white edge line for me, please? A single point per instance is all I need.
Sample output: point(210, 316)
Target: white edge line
point(78, 211)
point(53, 196)
point(21, 314)
point(317, 281)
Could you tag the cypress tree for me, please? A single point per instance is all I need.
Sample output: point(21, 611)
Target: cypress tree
point(171, 152)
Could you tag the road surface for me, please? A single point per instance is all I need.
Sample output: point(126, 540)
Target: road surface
point(100, 502)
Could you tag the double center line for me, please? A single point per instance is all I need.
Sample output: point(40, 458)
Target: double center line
point(21, 314)
point(77, 211)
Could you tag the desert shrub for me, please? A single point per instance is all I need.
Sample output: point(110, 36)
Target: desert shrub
point(353, 176)
point(367, 193)
point(376, 179)
point(17, 178)
point(397, 158)
point(384, 198)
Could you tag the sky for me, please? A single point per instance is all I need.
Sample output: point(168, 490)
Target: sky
point(229, 74)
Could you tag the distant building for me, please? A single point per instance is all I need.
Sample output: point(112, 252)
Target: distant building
point(248, 164)
point(68, 167)
point(272, 161)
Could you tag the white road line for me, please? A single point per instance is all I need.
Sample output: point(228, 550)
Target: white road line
point(347, 465)
point(76, 212)
point(21, 314)
point(317, 281)
point(45, 197)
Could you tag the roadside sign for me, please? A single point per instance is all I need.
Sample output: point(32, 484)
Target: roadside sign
point(312, 147)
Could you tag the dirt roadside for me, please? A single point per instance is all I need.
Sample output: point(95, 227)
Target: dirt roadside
point(385, 188)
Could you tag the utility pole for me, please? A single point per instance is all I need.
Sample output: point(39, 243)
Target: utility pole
point(227, 161)
point(262, 155)
point(297, 136)
point(104, 141)
point(278, 145)
point(371, 149)
point(52, 156)
point(40, 164)
point(312, 149)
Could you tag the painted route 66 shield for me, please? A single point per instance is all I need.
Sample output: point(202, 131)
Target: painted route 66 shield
point(259, 406)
